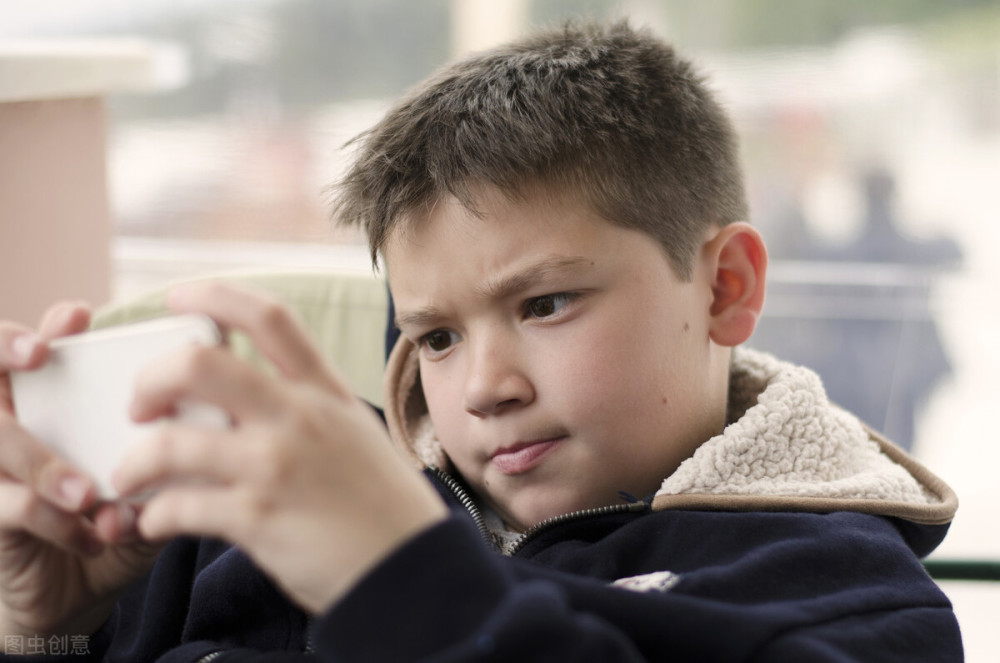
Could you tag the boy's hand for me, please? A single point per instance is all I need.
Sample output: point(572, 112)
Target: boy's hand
point(305, 480)
point(58, 575)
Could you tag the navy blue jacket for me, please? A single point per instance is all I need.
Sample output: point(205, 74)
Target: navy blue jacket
point(795, 535)
point(745, 587)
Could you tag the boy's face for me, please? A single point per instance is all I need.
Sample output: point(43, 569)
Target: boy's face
point(561, 358)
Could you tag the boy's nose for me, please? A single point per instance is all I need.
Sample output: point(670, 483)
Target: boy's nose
point(495, 382)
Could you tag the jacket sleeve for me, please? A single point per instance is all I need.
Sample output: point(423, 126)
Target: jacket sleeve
point(446, 597)
point(863, 638)
point(203, 600)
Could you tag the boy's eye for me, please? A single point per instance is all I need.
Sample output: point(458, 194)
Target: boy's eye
point(547, 305)
point(438, 340)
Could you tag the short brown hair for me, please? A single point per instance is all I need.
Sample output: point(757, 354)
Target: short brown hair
point(606, 112)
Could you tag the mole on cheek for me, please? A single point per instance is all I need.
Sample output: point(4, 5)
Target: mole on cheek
point(687, 326)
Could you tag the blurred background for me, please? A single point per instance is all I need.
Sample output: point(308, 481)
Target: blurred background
point(871, 140)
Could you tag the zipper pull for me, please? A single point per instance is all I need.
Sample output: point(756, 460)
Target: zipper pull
point(628, 497)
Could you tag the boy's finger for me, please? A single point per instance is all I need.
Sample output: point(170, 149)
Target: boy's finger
point(116, 522)
point(20, 347)
point(191, 510)
point(63, 319)
point(181, 452)
point(28, 461)
point(22, 509)
point(271, 327)
point(210, 375)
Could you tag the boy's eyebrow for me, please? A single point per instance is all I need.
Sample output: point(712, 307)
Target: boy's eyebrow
point(509, 284)
point(419, 318)
point(499, 288)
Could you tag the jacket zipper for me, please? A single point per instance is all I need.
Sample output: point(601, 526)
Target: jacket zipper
point(309, 637)
point(549, 523)
point(466, 500)
point(211, 656)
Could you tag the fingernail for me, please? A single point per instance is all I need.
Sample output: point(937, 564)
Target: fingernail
point(73, 490)
point(24, 346)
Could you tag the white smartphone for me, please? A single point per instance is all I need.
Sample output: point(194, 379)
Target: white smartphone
point(78, 402)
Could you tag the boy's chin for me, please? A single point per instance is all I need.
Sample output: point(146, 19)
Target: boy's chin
point(521, 520)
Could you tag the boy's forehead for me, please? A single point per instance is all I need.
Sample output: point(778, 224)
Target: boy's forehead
point(518, 221)
point(541, 227)
point(488, 204)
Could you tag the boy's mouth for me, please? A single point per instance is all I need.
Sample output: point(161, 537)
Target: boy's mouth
point(523, 456)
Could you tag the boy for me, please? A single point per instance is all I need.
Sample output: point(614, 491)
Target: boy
point(561, 221)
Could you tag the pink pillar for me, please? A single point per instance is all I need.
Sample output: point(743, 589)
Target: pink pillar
point(55, 226)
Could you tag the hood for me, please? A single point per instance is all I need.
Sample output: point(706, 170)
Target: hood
point(786, 448)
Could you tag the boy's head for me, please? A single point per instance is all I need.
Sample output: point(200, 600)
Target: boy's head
point(559, 222)
point(607, 113)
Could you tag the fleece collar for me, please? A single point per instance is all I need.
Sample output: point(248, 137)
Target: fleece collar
point(789, 448)
point(786, 448)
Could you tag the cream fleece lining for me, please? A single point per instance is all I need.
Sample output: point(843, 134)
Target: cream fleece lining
point(787, 448)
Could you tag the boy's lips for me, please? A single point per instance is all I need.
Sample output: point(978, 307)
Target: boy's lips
point(523, 456)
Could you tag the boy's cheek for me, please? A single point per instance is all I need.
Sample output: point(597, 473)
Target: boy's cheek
point(589, 371)
point(446, 409)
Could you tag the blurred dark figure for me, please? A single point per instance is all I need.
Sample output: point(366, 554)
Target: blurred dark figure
point(881, 241)
point(860, 313)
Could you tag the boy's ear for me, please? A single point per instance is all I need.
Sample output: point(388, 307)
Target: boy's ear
point(737, 258)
